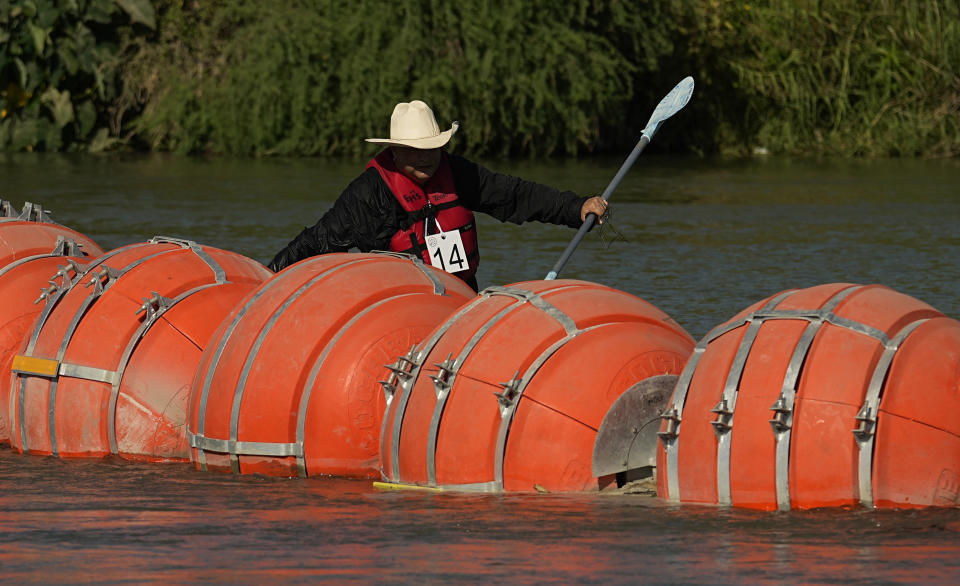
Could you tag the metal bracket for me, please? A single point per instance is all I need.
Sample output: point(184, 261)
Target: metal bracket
point(724, 421)
point(6, 209)
point(443, 380)
point(513, 292)
point(102, 279)
point(65, 281)
point(400, 372)
point(153, 306)
point(783, 415)
point(534, 299)
point(181, 242)
point(66, 247)
point(509, 395)
point(672, 417)
point(438, 287)
point(400, 255)
point(33, 212)
point(868, 422)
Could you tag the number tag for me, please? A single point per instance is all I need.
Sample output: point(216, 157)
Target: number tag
point(446, 251)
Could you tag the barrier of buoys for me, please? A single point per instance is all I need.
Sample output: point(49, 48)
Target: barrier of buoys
point(290, 383)
point(541, 385)
point(828, 396)
point(23, 284)
point(108, 364)
point(33, 234)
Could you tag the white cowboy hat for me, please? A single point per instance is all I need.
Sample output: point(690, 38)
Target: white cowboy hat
point(413, 124)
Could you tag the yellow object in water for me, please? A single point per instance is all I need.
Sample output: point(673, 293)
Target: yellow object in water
point(398, 486)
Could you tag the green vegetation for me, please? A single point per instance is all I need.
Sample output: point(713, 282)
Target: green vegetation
point(852, 78)
point(59, 71)
point(314, 77)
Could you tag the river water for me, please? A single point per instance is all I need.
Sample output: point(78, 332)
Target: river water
point(700, 239)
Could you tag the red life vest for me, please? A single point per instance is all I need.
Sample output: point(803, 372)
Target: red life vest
point(433, 203)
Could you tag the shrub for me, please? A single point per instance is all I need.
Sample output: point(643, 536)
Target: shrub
point(59, 70)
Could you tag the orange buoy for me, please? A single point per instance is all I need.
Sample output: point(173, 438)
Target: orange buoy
point(290, 384)
point(107, 366)
point(23, 284)
point(33, 234)
point(915, 429)
point(812, 398)
point(542, 385)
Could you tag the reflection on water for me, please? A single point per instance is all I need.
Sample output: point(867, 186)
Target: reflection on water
point(118, 521)
point(704, 240)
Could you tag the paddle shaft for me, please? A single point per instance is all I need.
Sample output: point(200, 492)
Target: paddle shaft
point(591, 217)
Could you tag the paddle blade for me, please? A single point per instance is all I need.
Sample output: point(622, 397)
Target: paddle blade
point(669, 105)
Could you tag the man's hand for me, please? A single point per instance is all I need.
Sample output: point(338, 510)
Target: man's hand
point(594, 205)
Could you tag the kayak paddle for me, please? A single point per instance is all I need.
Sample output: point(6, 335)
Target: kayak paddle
point(668, 106)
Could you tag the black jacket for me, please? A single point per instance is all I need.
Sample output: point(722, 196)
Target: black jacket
point(367, 215)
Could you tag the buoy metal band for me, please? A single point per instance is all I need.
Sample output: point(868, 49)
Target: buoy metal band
point(307, 392)
point(212, 368)
point(513, 392)
point(782, 421)
point(451, 370)
point(100, 281)
point(53, 297)
point(438, 287)
point(47, 368)
point(254, 350)
point(63, 247)
point(450, 373)
point(220, 276)
point(866, 431)
point(674, 415)
point(275, 449)
point(98, 288)
point(725, 409)
point(153, 308)
point(236, 447)
point(537, 300)
point(398, 404)
point(475, 487)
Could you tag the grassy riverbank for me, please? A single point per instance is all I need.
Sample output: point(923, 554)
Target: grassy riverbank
point(299, 77)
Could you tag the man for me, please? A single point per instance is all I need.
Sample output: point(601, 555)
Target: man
point(414, 197)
